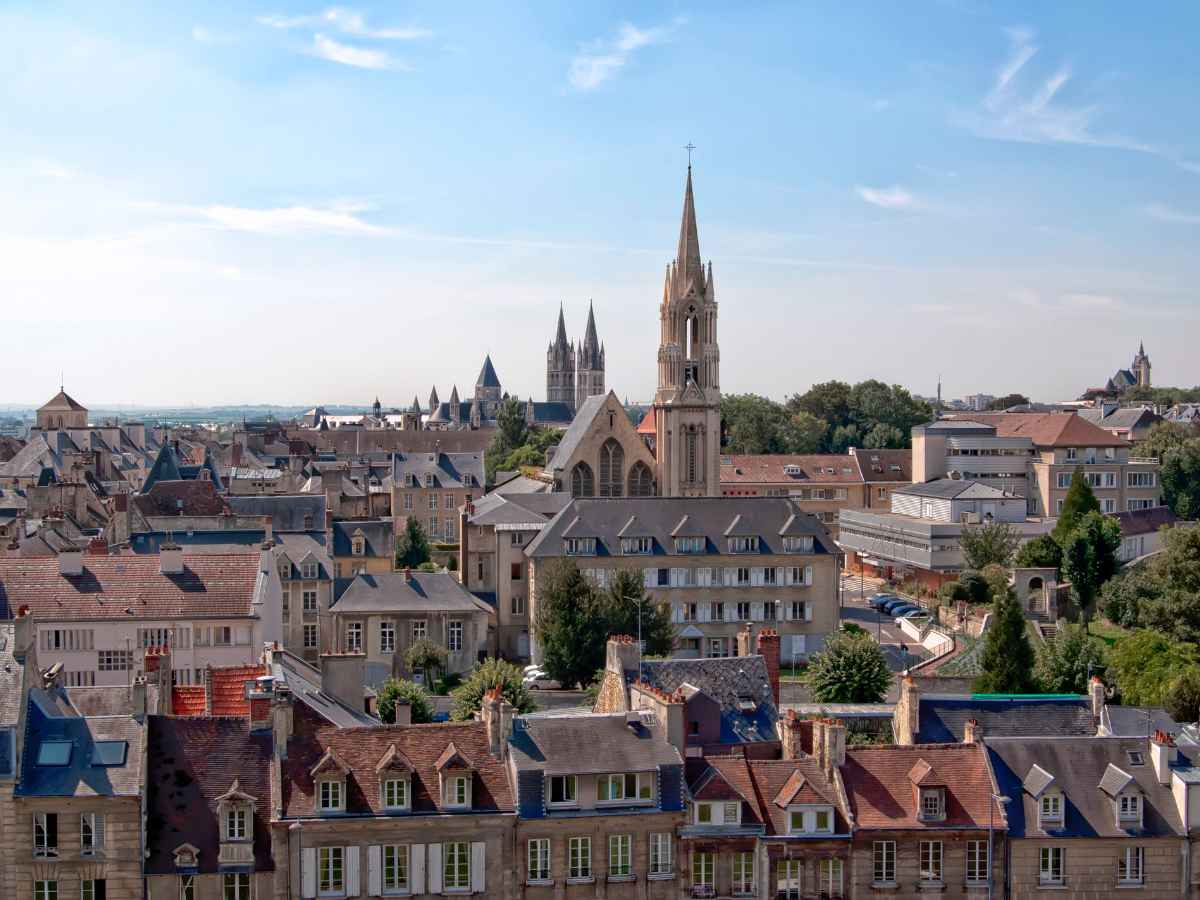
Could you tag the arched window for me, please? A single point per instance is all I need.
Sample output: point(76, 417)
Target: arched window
point(612, 469)
point(583, 484)
point(1035, 583)
point(641, 481)
point(691, 458)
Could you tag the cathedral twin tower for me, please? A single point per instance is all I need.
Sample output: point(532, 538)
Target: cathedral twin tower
point(574, 374)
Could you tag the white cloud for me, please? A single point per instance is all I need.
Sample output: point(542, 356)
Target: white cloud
point(282, 220)
point(348, 55)
point(895, 197)
point(602, 59)
point(347, 22)
point(1167, 214)
point(203, 35)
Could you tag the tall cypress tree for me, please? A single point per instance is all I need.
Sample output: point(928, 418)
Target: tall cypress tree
point(1078, 503)
point(1008, 658)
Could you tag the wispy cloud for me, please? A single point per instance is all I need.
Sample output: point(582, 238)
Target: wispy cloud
point(1168, 214)
point(344, 218)
point(895, 197)
point(358, 57)
point(600, 60)
point(202, 34)
point(346, 21)
point(1024, 107)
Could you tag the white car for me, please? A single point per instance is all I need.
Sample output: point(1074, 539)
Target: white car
point(538, 680)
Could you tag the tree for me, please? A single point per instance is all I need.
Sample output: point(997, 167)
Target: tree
point(1090, 556)
point(412, 547)
point(996, 578)
point(752, 424)
point(1146, 663)
point(952, 593)
point(510, 423)
point(991, 542)
point(1180, 476)
point(1063, 661)
point(572, 623)
point(1174, 583)
point(394, 690)
point(425, 656)
point(851, 669)
point(884, 436)
point(467, 698)
point(804, 433)
point(1078, 503)
point(1161, 438)
point(828, 402)
point(626, 595)
point(1183, 696)
point(1007, 659)
point(1043, 552)
point(1125, 595)
point(1003, 403)
point(843, 438)
point(976, 587)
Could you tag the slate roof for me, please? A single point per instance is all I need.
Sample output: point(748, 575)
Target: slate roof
point(419, 591)
point(767, 786)
point(305, 683)
point(449, 470)
point(361, 749)
point(1137, 721)
point(770, 518)
point(954, 489)
point(943, 718)
point(884, 465)
point(288, 512)
point(1123, 418)
point(771, 468)
point(11, 673)
point(552, 745)
point(487, 375)
point(1079, 766)
point(1144, 521)
point(378, 534)
point(879, 786)
point(518, 508)
point(550, 412)
point(578, 429)
point(192, 762)
point(297, 547)
point(727, 681)
point(211, 585)
point(1050, 429)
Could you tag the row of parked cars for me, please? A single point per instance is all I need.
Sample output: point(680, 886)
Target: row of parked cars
point(896, 607)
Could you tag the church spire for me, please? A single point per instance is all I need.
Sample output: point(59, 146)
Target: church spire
point(589, 336)
point(560, 338)
point(687, 260)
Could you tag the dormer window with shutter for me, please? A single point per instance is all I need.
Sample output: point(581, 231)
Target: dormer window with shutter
point(329, 783)
point(395, 781)
point(1042, 787)
point(930, 792)
point(235, 815)
point(456, 776)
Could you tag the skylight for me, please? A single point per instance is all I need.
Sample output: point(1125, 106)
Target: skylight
point(109, 753)
point(54, 753)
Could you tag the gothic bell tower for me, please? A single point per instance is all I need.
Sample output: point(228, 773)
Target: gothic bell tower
point(687, 405)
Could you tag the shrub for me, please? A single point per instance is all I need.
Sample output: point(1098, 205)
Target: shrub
point(418, 701)
point(975, 585)
point(468, 697)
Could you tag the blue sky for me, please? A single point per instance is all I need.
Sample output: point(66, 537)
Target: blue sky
point(304, 203)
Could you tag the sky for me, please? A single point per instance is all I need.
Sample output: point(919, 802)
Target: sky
point(294, 203)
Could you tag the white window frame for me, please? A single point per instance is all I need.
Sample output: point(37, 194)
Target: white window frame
point(1131, 866)
point(537, 861)
point(399, 788)
point(42, 847)
point(235, 823)
point(242, 885)
point(579, 859)
point(742, 884)
point(395, 866)
point(1050, 808)
point(1129, 807)
point(1050, 865)
point(387, 636)
point(570, 786)
point(614, 788)
point(331, 789)
point(620, 856)
point(829, 876)
point(704, 869)
point(454, 636)
point(354, 637)
point(316, 637)
point(883, 863)
point(932, 862)
point(977, 862)
point(456, 866)
point(331, 871)
point(662, 864)
point(91, 833)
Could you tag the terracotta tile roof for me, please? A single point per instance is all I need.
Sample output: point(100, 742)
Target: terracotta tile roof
point(880, 784)
point(188, 700)
point(763, 782)
point(199, 498)
point(1144, 521)
point(192, 762)
point(647, 425)
point(769, 469)
point(131, 587)
point(1049, 429)
point(884, 465)
point(362, 749)
point(228, 688)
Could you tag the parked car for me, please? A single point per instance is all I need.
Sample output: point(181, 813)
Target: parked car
point(879, 600)
point(891, 606)
point(536, 679)
point(911, 614)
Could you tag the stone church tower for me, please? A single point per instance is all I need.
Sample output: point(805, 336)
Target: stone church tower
point(589, 373)
point(687, 405)
point(1141, 367)
point(560, 367)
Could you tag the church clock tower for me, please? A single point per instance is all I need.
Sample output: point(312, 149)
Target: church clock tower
point(687, 405)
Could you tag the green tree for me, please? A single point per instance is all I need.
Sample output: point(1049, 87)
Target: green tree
point(1078, 503)
point(572, 623)
point(952, 593)
point(884, 436)
point(510, 423)
point(394, 690)
point(843, 437)
point(425, 656)
point(412, 546)
point(804, 433)
point(1090, 556)
point(829, 402)
point(976, 586)
point(1174, 577)
point(1146, 663)
point(1180, 477)
point(1043, 552)
point(851, 669)
point(1007, 659)
point(991, 542)
point(467, 698)
point(1183, 696)
point(1003, 403)
point(996, 577)
point(1062, 661)
point(754, 424)
point(1124, 595)
point(625, 597)
point(1161, 438)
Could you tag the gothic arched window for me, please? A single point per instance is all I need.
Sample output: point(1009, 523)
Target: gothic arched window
point(692, 456)
point(582, 482)
point(641, 481)
point(612, 469)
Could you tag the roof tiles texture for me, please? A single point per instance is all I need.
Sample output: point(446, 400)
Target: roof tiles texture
point(188, 700)
point(772, 469)
point(228, 689)
point(762, 781)
point(1050, 429)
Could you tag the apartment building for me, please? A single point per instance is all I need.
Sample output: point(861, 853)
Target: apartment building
point(883, 471)
point(362, 546)
point(818, 484)
point(431, 487)
point(718, 561)
point(305, 572)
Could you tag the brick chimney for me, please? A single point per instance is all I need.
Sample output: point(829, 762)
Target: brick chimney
point(767, 646)
point(1096, 692)
point(795, 735)
point(972, 732)
point(97, 546)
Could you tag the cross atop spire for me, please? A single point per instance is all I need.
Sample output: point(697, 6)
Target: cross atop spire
point(689, 269)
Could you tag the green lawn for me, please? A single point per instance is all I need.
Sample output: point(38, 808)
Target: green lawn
point(1107, 631)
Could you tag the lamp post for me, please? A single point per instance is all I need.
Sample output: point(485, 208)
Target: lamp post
point(1003, 800)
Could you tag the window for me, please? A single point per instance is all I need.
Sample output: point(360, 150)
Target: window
point(623, 787)
point(931, 861)
point(1135, 505)
point(562, 789)
point(538, 860)
point(518, 605)
point(702, 869)
point(419, 630)
point(641, 480)
point(395, 793)
point(743, 612)
point(690, 544)
point(113, 660)
point(449, 501)
point(660, 853)
point(91, 833)
point(187, 887)
point(331, 870)
point(235, 824)
point(433, 525)
point(310, 637)
point(395, 868)
point(933, 806)
point(331, 795)
point(716, 648)
point(742, 576)
point(612, 469)
point(791, 879)
point(454, 637)
point(433, 501)
point(1108, 505)
point(743, 873)
point(799, 610)
point(387, 637)
point(1131, 807)
point(770, 576)
point(354, 637)
point(92, 889)
point(580, 546)
point(458, 791)
point(579, 858)
point(716, 611)
point(222, 636)
point(620, 857)
point(45, 890)
point(829, 877)
point(704, 813)
point(1064, 480)
point(810, 820)
point(358, 545)
point(1051, 808)
point(408, 501)
point(45, 835)
point(1072, 453)
point(309, 600)
point(883, 856)
point(237, 887)
point(744, 544)
point(308, 570)
point(977, 862)
point(1140, 479)
point(798, 544)
point(637, 546)
point(582, 482)
point(1129, 866)
point(1050, 865)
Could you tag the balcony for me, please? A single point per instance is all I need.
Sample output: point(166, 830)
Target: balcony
point(706, 891)
point(1143, 460)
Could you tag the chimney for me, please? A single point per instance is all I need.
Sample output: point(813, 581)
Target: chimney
point(170, 558)
point(260, 695)
point(403, 712)
point(235, 455)
point(97, 546)
point(745, 640)
point(818, 742)
point(137, 697)
point(24, 637)
point(497, 716)
point(268, 527)
point(1163, 755)
point(70, 561)
point(833, 754)
point(281, 720)
point(906, 719)
point(767, 645)
point(972, 732)
point(1096, 692)
point(795, 735)
point(622, 654)
point(342, 678)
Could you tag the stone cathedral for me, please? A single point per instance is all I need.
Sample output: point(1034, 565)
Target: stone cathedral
point(574, 373)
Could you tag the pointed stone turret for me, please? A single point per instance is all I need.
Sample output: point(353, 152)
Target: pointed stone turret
point(687, 260)
point(589, 379)
point(434, 403)
point(560, 366)
point(416, 405)
point(455, 406)
point(560, 337)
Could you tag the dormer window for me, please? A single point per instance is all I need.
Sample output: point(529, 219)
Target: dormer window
point(690, 544)
point(726, 813)
point(810, 820)
point(458, 791)
point(563, 790)
point(631, 787)
point(395, 794)
point(285, 569)
point(309, 571)
point(1129, 807)
point(331, 796)
point(933, 804)
point(456, 774)
point(743, 544)
point(235, 824)
point(637, 546)
point(358, 545)
point(798, 544)
point(1050, 808)
point(428, 479)
point(580, 546)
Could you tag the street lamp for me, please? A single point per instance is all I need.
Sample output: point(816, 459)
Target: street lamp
point(1004, 801)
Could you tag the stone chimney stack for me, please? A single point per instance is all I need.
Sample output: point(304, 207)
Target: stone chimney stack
point(972, 732)
point(70, 561)
point(496, 713)
point(342, 677)
point(1096, 692)
point(767, 646)
point(170, 558)
point(403, 712)
point(1163, 754)
point(833, 753)
point(795, 735)
point(281, 719)
point(622, 654)
point(907, 717)
point(745, 640)
point(24, 638)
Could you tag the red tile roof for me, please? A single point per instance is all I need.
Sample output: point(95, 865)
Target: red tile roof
point(199, 498)
point(362, 749)
point(885, 465)
point(131, 587)
point(188, 700)
point(1048, 429)
point(228, 688)
point(768, 468)
point(647, 425)
point(764, 781)
point(880, 784)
